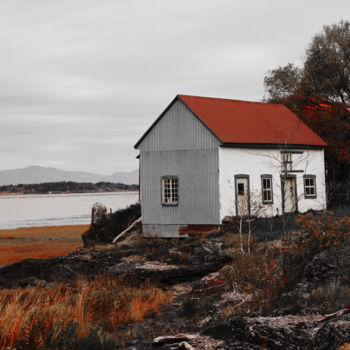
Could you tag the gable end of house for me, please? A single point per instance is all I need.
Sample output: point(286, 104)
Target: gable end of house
point(177, 98)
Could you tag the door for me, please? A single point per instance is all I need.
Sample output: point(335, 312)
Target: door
point(242, 196)
point(290, 197)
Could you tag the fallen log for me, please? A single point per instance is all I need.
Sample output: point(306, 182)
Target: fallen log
point(123, 233)
point(335, 315)
point(171, 339)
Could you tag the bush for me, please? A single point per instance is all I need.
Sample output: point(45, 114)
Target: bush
point(105, 226)
point(266, 273)
point(258, 276)
point(316, 233)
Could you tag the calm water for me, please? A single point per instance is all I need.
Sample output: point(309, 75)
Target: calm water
point(57, 209)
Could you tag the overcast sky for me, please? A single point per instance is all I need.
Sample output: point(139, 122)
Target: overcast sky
point(81, 80)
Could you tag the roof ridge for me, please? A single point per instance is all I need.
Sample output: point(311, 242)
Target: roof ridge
point(230, 99)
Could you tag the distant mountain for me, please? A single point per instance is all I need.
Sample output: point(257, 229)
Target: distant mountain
point(38, 174)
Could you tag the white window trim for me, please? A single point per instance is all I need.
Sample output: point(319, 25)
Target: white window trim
point(173, 197)
point(264, 177)
point(310, 196)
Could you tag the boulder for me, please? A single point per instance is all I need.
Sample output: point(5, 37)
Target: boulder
point(325, 281)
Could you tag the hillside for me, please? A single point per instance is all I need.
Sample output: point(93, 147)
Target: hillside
point(38, 174)
point(67, 187)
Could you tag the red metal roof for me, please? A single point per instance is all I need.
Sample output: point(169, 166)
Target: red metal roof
point(234, 121)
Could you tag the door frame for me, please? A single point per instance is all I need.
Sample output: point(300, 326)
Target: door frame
point(290, 176)
point(242, 176)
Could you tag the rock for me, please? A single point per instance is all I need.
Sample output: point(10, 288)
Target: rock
point(31, 271)
point(244, 333)
point(288, 332)
point(79, 251)
point(332, 335)
point(117, 263)
point(209, 284)
point(325, 281)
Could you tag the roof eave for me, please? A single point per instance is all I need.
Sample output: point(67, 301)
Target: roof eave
point(270, 145)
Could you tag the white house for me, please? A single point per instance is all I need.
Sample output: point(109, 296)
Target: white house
point(207, 158)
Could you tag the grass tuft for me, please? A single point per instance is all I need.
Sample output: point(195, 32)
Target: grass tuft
point(69, 316)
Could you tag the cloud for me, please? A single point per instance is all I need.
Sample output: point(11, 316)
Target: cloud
point(81, 80)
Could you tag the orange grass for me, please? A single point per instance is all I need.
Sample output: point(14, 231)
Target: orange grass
point(39, 242)
point(44, 317)
point(68, 231)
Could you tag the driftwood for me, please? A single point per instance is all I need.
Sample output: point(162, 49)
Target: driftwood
point(186, 346)
point(171, 339)
point(335, 315)
point(126, 230)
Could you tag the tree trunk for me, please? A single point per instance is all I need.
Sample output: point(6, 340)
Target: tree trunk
point(240, 232)
point(348, 186)
point(283, 199)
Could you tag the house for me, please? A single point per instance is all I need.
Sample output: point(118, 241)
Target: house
point(204, 159)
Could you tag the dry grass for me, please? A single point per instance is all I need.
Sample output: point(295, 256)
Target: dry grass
point(66, 316)
point(39, 242)
point(69, 231)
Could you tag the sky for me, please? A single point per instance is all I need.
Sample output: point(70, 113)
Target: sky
point(82, 80)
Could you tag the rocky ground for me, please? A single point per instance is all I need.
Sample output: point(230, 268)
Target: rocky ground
point(199, 315)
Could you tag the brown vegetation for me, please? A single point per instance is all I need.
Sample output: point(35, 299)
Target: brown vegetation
point(69, 316)
point(272, 268)
point(39, 242)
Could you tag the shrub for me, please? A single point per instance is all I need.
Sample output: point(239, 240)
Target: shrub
point(258, 276)
point(316, 233)
point(105, 226)
point(263, 275)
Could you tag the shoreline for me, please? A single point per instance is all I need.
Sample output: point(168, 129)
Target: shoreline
point(9, 194)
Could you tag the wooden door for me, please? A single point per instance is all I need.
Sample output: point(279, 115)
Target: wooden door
point(242, 196)
point(289, 194)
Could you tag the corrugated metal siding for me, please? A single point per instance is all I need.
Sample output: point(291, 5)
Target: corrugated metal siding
point(180, 145)
point(197, 171)
point(178, 129)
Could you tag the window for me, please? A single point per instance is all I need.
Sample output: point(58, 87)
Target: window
point(240, 189)
point(266, 189)
point(310, 186)
point(286, 161)
point(170, 190)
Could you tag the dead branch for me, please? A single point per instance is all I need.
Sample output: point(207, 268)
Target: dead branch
point(123, 233)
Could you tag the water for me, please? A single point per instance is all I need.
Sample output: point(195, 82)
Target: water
point(57, 209)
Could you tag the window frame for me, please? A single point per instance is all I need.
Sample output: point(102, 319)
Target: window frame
point(172, 203)
point(308, 177)
point(264, 177)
